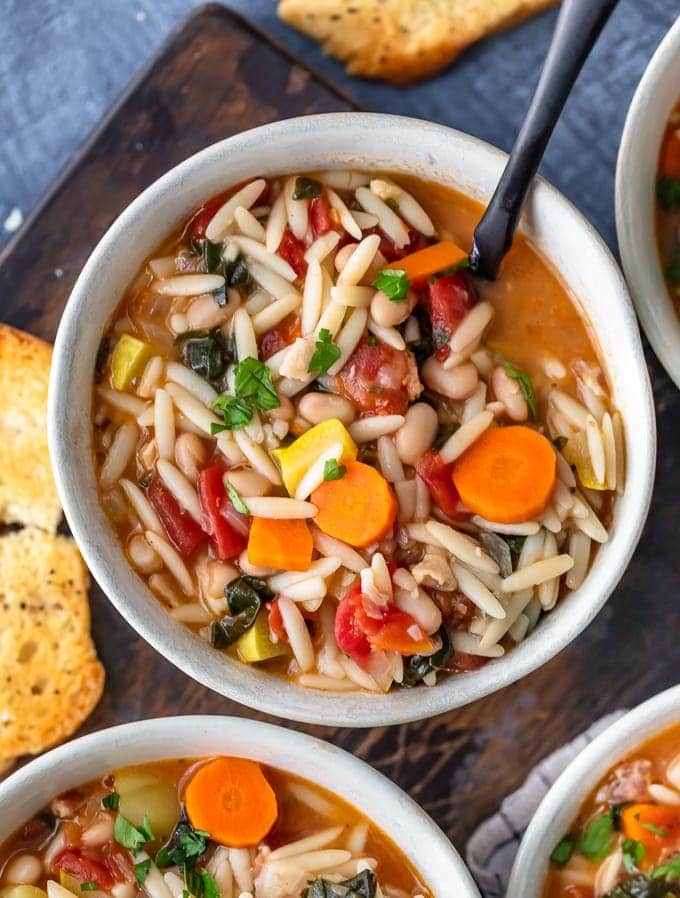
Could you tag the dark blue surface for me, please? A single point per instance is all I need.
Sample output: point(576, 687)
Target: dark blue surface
point(63, 62)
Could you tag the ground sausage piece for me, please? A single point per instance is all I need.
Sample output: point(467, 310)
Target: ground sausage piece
point(629, 782)
point(380, 379)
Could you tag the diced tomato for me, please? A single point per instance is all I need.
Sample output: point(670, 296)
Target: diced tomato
point(392, 253)
point(450, 299)
point(390, 632)
point(275, 621)
point(181, 529)
point(358, 634)
point(215, 503)
point(437, 476)
point(349, 634)
point(379, 379)
point(293, 251)
point(320, 215)
point(463, 662)
point(83, 868)
point(285, 333)
point(202, 218)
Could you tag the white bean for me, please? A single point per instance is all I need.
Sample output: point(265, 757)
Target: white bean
point(247, 482)
point(142, 555)
point(190, 455)
point(343, 255)
point(417, 433)
point(456, 383)
point(204, 312)
point(387, 313)
point(318, 407)
point(508, 391)
point(24, 869)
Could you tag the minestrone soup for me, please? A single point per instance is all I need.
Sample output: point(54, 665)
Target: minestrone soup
point(333, 452)
point(209, 828)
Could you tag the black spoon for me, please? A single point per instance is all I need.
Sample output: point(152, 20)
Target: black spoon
point(578, 27)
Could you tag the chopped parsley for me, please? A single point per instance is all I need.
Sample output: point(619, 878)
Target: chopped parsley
point(657, 830)
point(632, 852)
point(595, 841)
point(393, 283)
point(325, 354)
point(130, 836)
point(525, 386)
point(185, 847)
point(307, 189)
point(236, 500)
point(671, 870)
point(333, 471)
point(88, 886)
point(563, 851)
point(111, 801)
point(142, 871)
point(253, 389)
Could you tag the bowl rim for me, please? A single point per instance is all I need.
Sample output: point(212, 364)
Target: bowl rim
point(319, 762)
point(255, 688)
point(634, 202)
point(560, 805)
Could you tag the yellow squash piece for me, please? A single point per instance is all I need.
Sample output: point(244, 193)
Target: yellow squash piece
point(128, 360)
point(256, 643)
point(576, 453)
point(296, 459)
point(69, 882)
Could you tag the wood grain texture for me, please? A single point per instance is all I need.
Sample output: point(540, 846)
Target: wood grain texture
point(459, 766)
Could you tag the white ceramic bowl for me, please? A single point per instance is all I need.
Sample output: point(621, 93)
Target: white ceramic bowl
point(423, 843)
point(341, 140)
point(636, 168)
point(560, 806)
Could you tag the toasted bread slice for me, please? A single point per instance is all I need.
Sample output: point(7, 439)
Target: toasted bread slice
point(27, 491)
point(402, 40)
point(51, 677)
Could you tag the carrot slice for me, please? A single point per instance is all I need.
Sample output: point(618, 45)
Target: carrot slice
point(358, 509)
point(507, 475)
point(651, 824)
point(286, 545)
point(670, 155)
point(231, 799)
point(423, 264)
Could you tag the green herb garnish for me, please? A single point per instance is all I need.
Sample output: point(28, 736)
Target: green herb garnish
point(393, 283)
point(525, 386)
point(671, 870)
point(111, 801)
point(563, 851)
point(668, 193)
point(372, 340)
point(253, 389)
point(142, 871)
point(333, 471)
point(132, 837)
point(632, 852)
point(325, 354)
point(236, 500)
point(88, 886)
point(184, 848)
point(595, 841)
point(657, 830)
point(307, 189)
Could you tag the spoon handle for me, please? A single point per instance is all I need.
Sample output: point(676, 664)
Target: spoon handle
point(578, 26)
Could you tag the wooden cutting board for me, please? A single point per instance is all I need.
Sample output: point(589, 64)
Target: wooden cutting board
point(216, 76)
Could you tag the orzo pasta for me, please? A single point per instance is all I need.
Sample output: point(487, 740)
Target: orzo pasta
point(332, 451)
point(209, 828)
